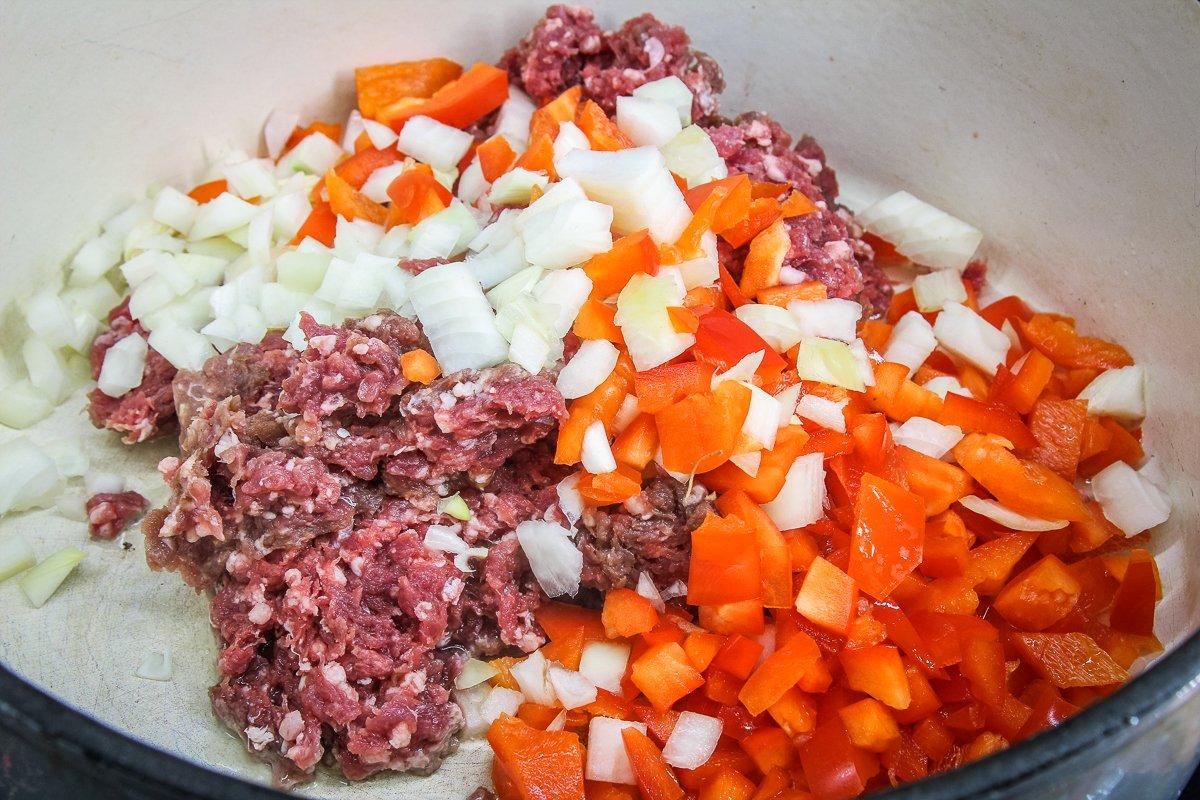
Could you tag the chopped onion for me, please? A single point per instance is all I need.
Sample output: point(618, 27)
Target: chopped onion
point(775, 325)
point(801, 501)
point(569, 138)
point(676, 589)
point(355, 237)
point(72, 504)
point(353, 128)
point(315, 154)
point(828, 361)
point(475, 672)
point(123, 366)
point(825, 413)
point(28, 476)
point(512, 121)
point(279, 304)
point(934, 290)
point(471, 184)
point(377, 183)
point(565, 290)
point(277, 130)
point(597, 455)
point(515, 187)
point(943, 385)
point(554, 559)
point(39, 583)
point(50, 318)
point(921, 232)
point(788, 399)
point(497, 264)
point(567, 233)
point(202, 270)
point(570, 501)
point(529, 347)
point(647, 121)
point(530, 675)
point(462, 560)
point(626, 414)
point(433, 142)
point(588, 368)
point(500, 701)
point(253, 177)
point(457, 318)
point(829, 319)
point(1005, 516)
point(672, 91)
point(97, 298)
point(22, 404)
point(175, 209)
point(692, 741)
point(928, 437)
point(444, 538)
point(470, 702)
point(382, 137)
point(155, 665)
point(691, 155)
point(1119, 393)
point(512, 288)
point(96, 257)
point(558, 723)
point(742, 372)
point(971, 337)
point(1152, 471)
point(16, 555)
point(650, 337)
point(1130, 501)
point(762, 418)
point(572, 689)
point(748, 463)
point(103, 483)
point(70, 460)
point(647, 589)
point(444, 234)
point(222, 214)
point(636, 183)
point(46, 368)
point(606, 757)
point(604, 663)
point(185, 349)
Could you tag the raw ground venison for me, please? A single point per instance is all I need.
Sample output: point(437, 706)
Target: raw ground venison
point(302, 495)
point(144, 412)
point(566, 47)
point(109, 513)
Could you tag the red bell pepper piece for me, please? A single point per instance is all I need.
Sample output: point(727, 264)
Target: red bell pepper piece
point(658, 388)
point(724, 340)
point(888, 538)
point(976, 416)
point(1068, 659)
point(654, 777)
point(664, 674)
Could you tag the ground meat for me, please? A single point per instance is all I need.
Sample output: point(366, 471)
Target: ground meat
point(826, 245)
point(567, 47)
point(482, 793)
point(141, 413)
point(109, 513)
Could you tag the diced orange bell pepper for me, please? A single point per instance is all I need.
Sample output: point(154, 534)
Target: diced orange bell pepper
point(627, 613)
point(357, 168)
point(889, 534)
point(1068, 659)
point(764, 487)
point(601, 132)
point(545, 120)
point(416, 194)
point(831, 763)
point(1058, 427)
point(1040, 596)
point(827, 596)
point(611, 487)
point(724, 566)
point(683, 320)
point(984, 668)
point(795, 712)
point(870, 725)
point(700, 432)
point(762, 213)
point(320, 225)
point(637, 444)
point(654, 777)
point(1133, 605)
point(658, 388)
point(564, 620)
point(735, 205)
point(879, 672)
point(900, 398)
point(460, 103)
point(925, 700)
point(347, 202)
point(774, 558)
point(778, 673)
point(702, 647)
point(764, 259)
point(496, 156)
point(601, 405)
point(595, 321)
point(738, 656)
point(328, 129)
point(797, 204)
point(1024, 486)
point(1020, 390)
point(1122, 446)
point(382, 85)
point(770, 748)
point(936, 481)
point(724, 340)
point(209, 191)
point(664, 674)
point(1011, 308)
point(744, 617)
point(990, 564)
point(538, 157)
point(612, 269)
point(1059, 341)
point(782, 295)
point(976, 416)
point(946, 595)
point(537, 765)
point(727, 784)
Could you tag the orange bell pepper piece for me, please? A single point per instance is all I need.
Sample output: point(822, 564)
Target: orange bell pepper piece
point(1121, 446)
point(416, 194)
point(1059, 341)
point(724, 566)
point(348, 202)
point(460, 103)
point(734, 206)
point(636, 445)
point(382, 85)
point(976, 416)
point(764, 259)
point(723, 339)
point(602, 133)
point(990, 564)
point(879, 672)
point(495, 157)
point(900, 398)
point(357, 168)
point(654, 777)
point(795, 712)
point(729, 286)
point(701, 648)
point(209, 191)
point(627, 613)
point(683, 320)
point(1040, 596)
point(1024, 486)
point(630, 255)
point(700, 432)
point(320, 225)
point(612, 487)
point(764, 487)
point(539, 157)
point(778, 673)
point(595, 321)
point(1057, 426)
point(1068, 659)
point(782, 295)
point(939, 483)
point(889, 536)
point(797, 204)
point(727, 784)
point(537, 765)
point(1011, 308)
point(775, 560)
point(545, 120)
point(664, 674)
point(870, 725)
point(827, 596)
point(601, 405)
point(1133, 606)
point(770, 748)
point(763, 212)
point(1020, 390)
point(738, 656)
point(832, 764)
point(565, 620)
point(329, 129)
point(744, 617)
point(902, 303)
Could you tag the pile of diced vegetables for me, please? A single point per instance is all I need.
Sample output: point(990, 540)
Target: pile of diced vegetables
point(930, 540)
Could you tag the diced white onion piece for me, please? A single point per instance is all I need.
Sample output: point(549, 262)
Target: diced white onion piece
point(175, 209)
point(829, 319)
point(96, 257)
point(528, 347)
point(222, 214)
point(203, 270)
point(315, 154)
point(1152, 471)
point(642, 315)
point(355, 237)
point(825, 413)
point(692, 741)
point(604, 663)
point(28, 476)
point(1005, 516)
point(775, 325)
point(185, 349)
point(530, 675)
point(120, 224)
point(259, 235)
point(462, 561)
point(454, 506)
point(302, 272)
point(499, 233)
point(381, 136)
point(444, 538)
point(97, 298)
point(921, 232)
point(353, 129)
point(143, 266)
point(377, 182)
point(558, 723)
point(1130, 501)
point(788, 399)
point(22, 404)
point(71, 504)
point(475, 672)
point(279, 304)
point(566, 190)
point(70, 460)
point(150, 296)
point(1119, 393)
point(972, 338)
point(16, 555)
point(606, 757)
point(676, 589)
point(928, 437)
point(564, 290)
point(39, 583)
point(569, 138)
point(672, 91)
point(572, 689)
point(156, 665)
point(515, 187)
point(228, 250)
point(636, 183)
point(253, 177)
point(277, 130)
point(567, 234)
point(703, 270)
point(943, 385)
point(49, 318)
point(588, 368)
point(762, 418)
point(470, 702)
point(691, 155)
point(457, 318)
point(512, 288)
point(647, 589)
point(525, 310)
point(497, 264)
point(500, 701)
point(597, 455)
point(513, 119)
point(570, 501)
point(103, 483)
point(123, 366)
point(471, 184)
point(912, 341)
point(742, 372)
point(801, 500)
point(47, 370)
point(647, 121)
point(444, 234)
point(934, 290)
point(554, 559)
point(828, 361)
point(626, 414)
point(433, 142)
point(748, 463)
